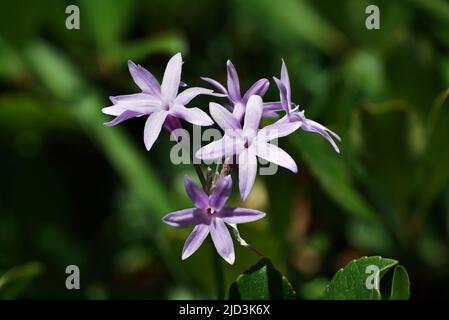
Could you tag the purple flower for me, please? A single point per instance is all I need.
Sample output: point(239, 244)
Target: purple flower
point(238, 102)
point(293, 113)
point(161, 102)
point(249, 142)
point(210, 216)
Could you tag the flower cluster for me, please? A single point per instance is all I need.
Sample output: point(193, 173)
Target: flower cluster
point(243, 141)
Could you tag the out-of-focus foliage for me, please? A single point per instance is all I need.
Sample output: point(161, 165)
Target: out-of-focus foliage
point(75, 192)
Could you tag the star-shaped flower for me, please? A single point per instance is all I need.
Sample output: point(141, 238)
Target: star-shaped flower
point(161, 102)
point(238, 103)
point(293, 113)
point(249, 142)
point(210, 216)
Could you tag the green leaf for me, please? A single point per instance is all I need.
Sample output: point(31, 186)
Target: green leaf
point(352, 282)
point(400, 286)
point(261, 282)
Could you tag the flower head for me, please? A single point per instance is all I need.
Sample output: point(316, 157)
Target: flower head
point(210, 216)
point(233, 93)
point(249, 142)
point(160, 102)
point(293, 113)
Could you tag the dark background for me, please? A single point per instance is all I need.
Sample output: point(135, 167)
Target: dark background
point(73, 191)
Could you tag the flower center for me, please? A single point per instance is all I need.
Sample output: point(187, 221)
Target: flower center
point(246, 145)
point(210, 211)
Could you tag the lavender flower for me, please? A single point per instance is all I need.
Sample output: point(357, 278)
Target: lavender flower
point(238, 102)
point(293, 113)
point(248, 143)
point(161, 102)
point(210, 216)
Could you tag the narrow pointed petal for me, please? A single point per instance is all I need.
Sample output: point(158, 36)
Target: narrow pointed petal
point(286, 82)
point(184, 218)
point(225, 147)
point(270, 114)
point(216, 84)
point(188, 94)
point(276, 155)
point(223, 117)
point(195, 239)
point(222, 240)
point(312, 126)
point(127, 114)
point(240, 215)
point(153, 127)
point(221, 193)
point(247, 172)
point(114, 110)
point(272, 106)
point(279, 129)
point(172, 77)
point(139, 102)
point(144, 79)
point(193, 115)
point(254, 109)
point(233, 83)
point(259, 88)
point(196, 194)
point(283, 95)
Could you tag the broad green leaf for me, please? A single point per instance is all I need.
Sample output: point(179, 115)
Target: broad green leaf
point(357, 280)
point(400, 286)
point(261, 282)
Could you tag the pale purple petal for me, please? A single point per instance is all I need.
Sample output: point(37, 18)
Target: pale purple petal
point(286, 81)
point(127, 114)
point(196, 194)
point(224, 147)
point(239, 111)
point(153, 127)
point(222, 240)
point(195, 239)
point(278, 129)
point(188, 94)
point(114, 110)
point(276, 155)
point(233, 83)
point(223, 117)
point(141, 99)
point(193, 115)
point(240, 215)
point(283, 94)
point(272, 106)
point(259, 88)
point(216, 84)
point(172, 77)
point(144, 79)
point(221, 193)
point(247, 172)
point(253, 114)
point(313, 126)
point(270, 114)
point(184, 218)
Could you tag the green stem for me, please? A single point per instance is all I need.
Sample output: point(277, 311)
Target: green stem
point(219, 274)
point(217, 263)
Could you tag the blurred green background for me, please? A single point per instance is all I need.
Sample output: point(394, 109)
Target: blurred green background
point(76, 192)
